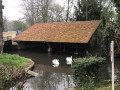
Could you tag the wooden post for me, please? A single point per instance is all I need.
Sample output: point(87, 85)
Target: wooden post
point(76, 49)
point(112, 60)
point(64, 48)
point(49, 48)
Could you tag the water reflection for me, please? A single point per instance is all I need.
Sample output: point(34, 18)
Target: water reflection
point(50, 81)
point(55, 62)
point(47, 68)
point(41, 57)
point(105, 71)
point(58, 78)
point(50, 78)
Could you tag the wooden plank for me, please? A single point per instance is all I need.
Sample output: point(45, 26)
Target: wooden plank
point(32, 73)
point(27, 69)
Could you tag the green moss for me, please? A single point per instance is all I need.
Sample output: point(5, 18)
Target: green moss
point(13, 60)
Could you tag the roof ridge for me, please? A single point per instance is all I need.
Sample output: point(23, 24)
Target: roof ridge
point(67, 22)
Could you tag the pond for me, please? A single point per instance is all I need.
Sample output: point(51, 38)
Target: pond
point(58, 78)
point(50, 77)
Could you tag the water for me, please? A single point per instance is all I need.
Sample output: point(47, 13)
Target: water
point(105, 72)
point(58, 78)
point(50, 78)
point(50, 81)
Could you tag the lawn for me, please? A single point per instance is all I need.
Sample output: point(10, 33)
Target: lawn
point(13, 60)
point(101, 85)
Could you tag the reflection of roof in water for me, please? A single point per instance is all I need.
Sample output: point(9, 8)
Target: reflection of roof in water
point(53, 69)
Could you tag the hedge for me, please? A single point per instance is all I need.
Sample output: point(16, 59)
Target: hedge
point(86, 69)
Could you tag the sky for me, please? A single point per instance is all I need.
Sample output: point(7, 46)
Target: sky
point(12, 9)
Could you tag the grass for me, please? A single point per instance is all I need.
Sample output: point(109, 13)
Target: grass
point(13, 60)
point(101, 85)
point(107, 85)
point(12, 70)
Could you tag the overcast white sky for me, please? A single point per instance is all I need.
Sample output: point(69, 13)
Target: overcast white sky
point(12, 9)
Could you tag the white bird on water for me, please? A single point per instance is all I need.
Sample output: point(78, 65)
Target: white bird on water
point(55, 61)
point(69, 60)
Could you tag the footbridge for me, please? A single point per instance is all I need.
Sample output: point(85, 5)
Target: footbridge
point(8, 37)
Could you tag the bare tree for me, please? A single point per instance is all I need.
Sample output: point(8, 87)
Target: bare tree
point(57, 14)
point(68, 8)
point(42, 11)
point(69, 5)
point(36, 10)
point(30, 12)
point(1, 27)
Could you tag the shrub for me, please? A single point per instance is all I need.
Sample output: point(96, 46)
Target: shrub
point(86, 69)
point(9, 77)
point(12, 71)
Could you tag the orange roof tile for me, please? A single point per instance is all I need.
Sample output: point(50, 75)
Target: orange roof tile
point(70, 32)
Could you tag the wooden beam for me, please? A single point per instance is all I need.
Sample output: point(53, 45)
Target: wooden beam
point(28, 71)
point(32, 73)
point(49, 48)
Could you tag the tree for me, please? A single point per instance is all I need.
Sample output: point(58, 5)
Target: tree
point(43, 11)
point(45, 6)
point(19, 25)
point(36, 10)
point(29, 11)
point(88, 10)
point(69, 6)
point(117, 5)
point(108, 30)
point(1, 27)
point(57, 14)
point(68, 10)
point(5, 23)
point(110, 27)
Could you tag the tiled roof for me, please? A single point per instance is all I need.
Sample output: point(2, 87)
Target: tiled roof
point(70, 32)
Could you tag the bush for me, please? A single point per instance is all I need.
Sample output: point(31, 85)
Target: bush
point(12, 71)
point(86, 70)
point(10, 77)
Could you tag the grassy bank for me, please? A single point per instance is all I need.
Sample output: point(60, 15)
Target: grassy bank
point(101, 85)
point(12, 71)
point(13, 60)
point(107, 85)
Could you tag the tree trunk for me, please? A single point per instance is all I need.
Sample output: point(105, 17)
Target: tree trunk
point(67, 15)
point(86, 10)
point(1, 27)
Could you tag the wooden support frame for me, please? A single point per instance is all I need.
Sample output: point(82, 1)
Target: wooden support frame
point(49, 48)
